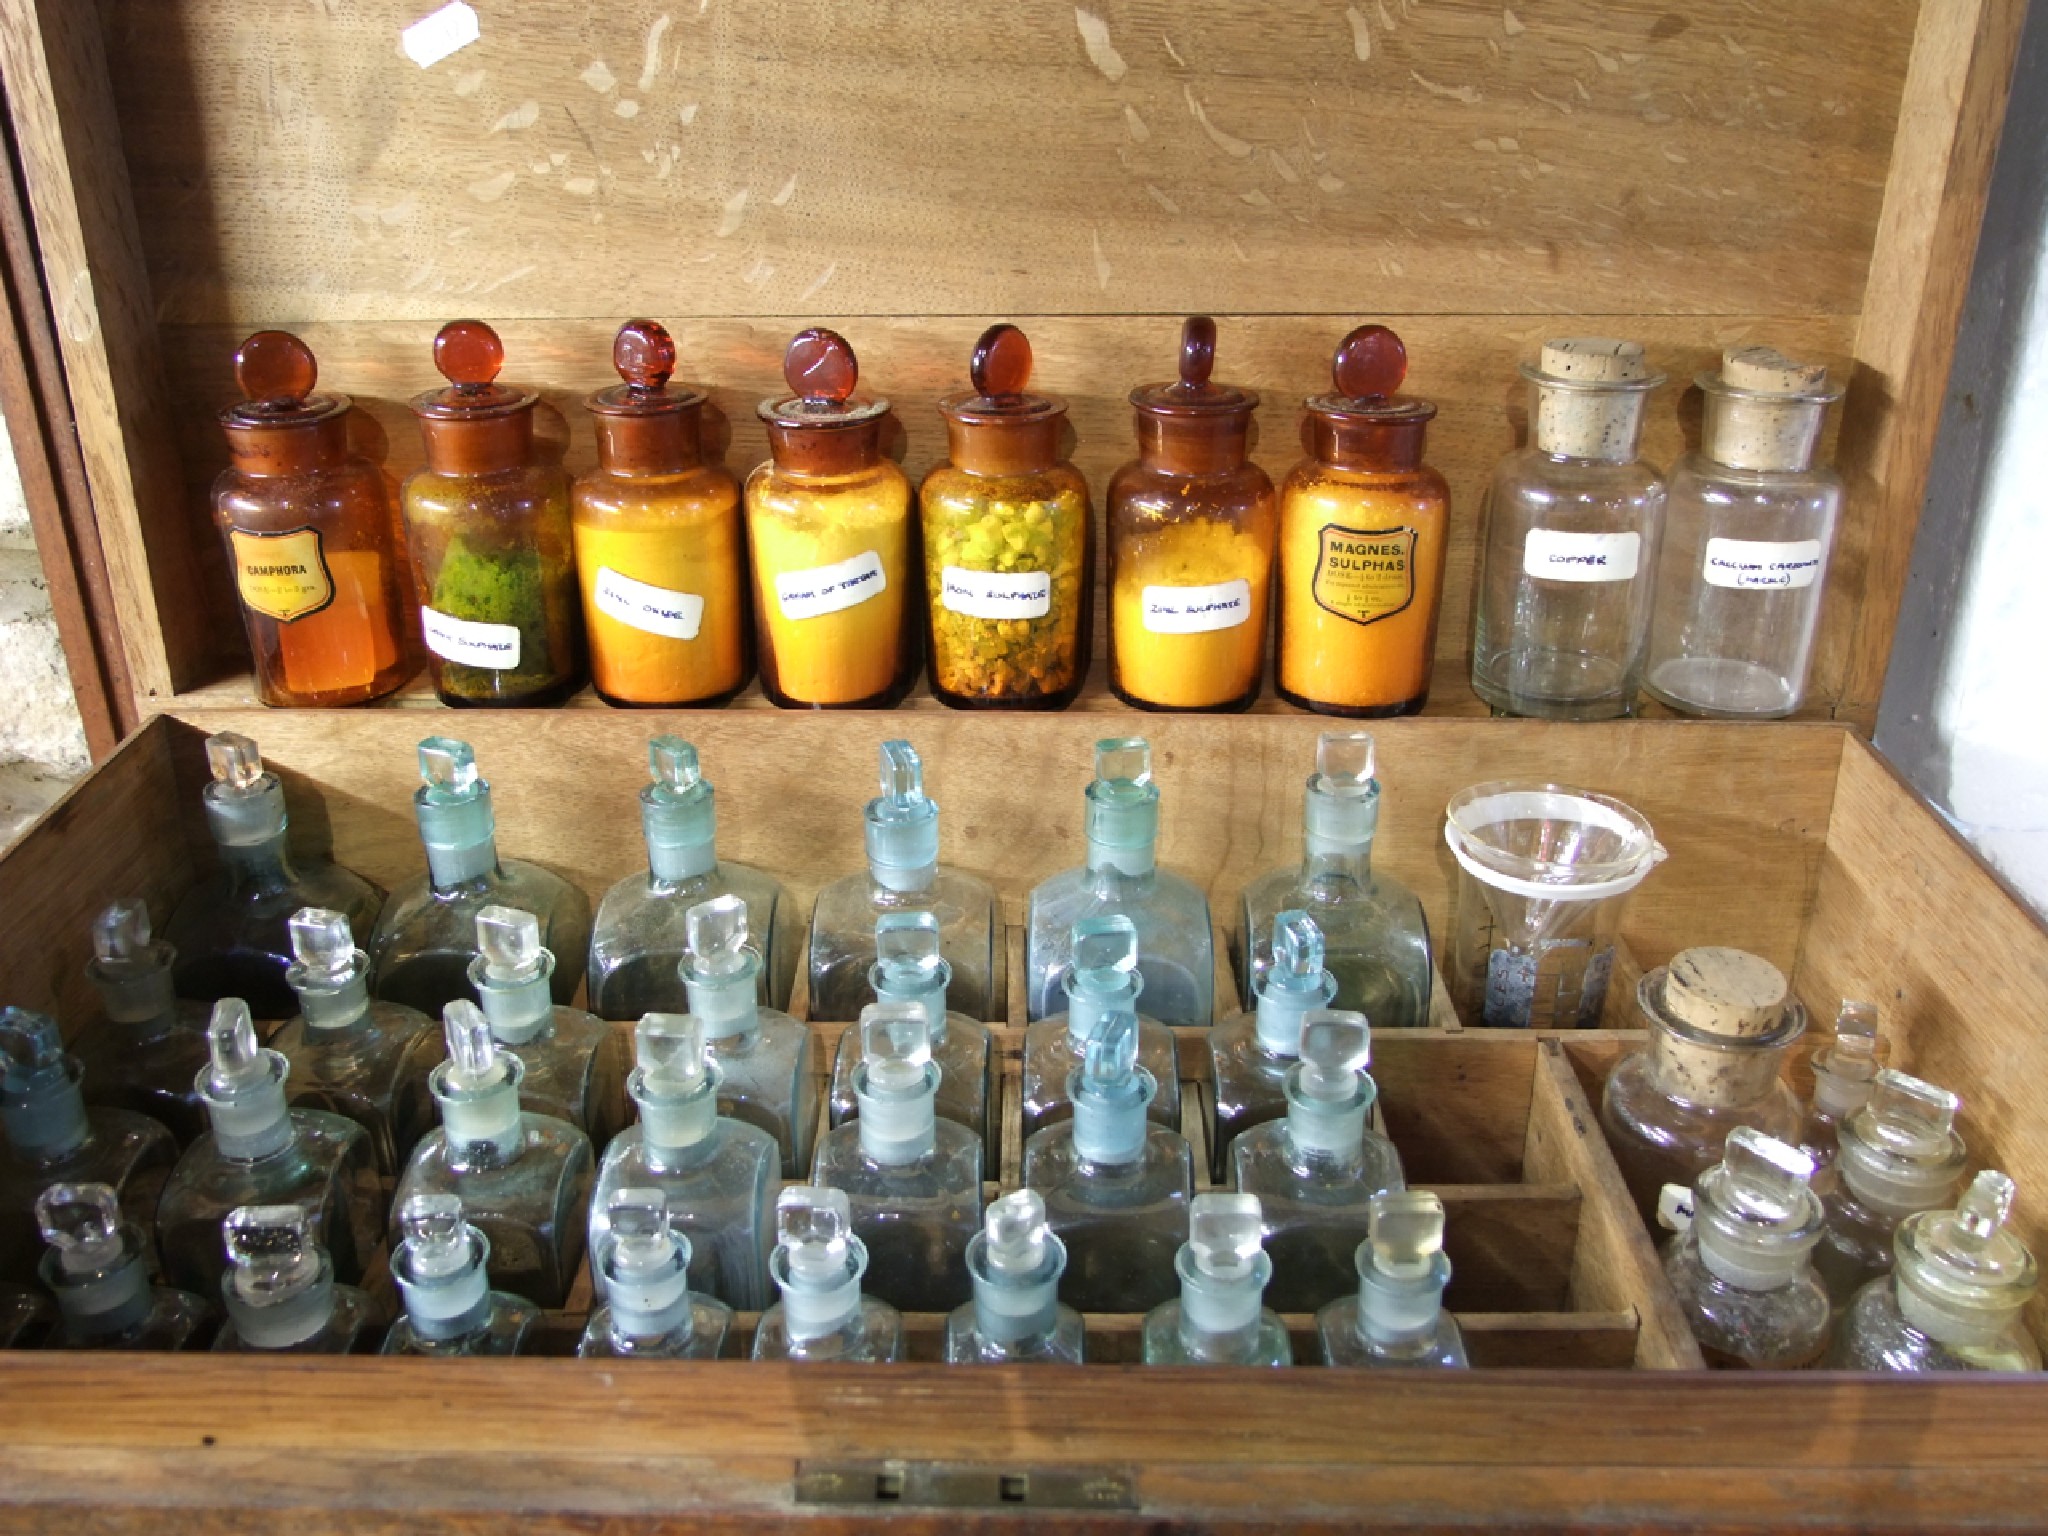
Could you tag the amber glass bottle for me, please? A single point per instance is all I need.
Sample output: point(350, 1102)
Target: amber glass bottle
point(657, 531)
point(488, 523)
point(312, 536)
point(1007, 535)
point(1362, 524)
point(828, 518)
point(1190, 543)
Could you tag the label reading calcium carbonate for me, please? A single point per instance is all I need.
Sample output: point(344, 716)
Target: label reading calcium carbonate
point(283, 576)
point(470, 642)
point(828, 588)
point(655, 610)
point(1364, 574)
point(996, 594)
point(1197, 610)
point(1752, 564)
point(1553, 555)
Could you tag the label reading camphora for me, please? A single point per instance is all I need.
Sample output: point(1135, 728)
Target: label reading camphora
point(1759, 564)
point(1197, 610)
point(995, 594)
point(829, 588)
point(643, 606)
point(283, 576)
point(470, 643)
point(1553, 555)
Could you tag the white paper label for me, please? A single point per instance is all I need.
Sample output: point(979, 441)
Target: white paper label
point(1752, 564)
point(996, 594)
point(1197, 610)
point(639, 605)
point(473, 644)
point(829, 588)
point(1557, 556)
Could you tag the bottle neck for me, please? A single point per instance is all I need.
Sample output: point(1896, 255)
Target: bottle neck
point(1197, 445)
point(1366, 446)
point(105, 1304)
point(1135, 862)
point(138, 996)
point(264, 866)
point(649, 444)
point(1280, 1011)
point(278, 1322)
point(729, 1005)
point(814, 1307)
point(897, 1129)
point(1219, 1317)
point(1334, 1131)
point(675, 1130)
point(892, 882)
point(929, 999)
point(1398, 1315)
point(482, 1126)
point(1088, 1005)
point(460, 836)
point(446, 1308)
point(332, 1007)
point(253, 1121)
point(522, 1011)
point(1324, 862)
point(1010, 1310)
point(1733, 1074)
point(1109, 1127)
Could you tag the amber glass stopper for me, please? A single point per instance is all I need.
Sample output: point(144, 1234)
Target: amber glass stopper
point(1193, 393)
point(820, 368)
point(1001, 364)
point(645, 355)
point(1369, 364)
point(469, 354)
point(275, 368)
point(1197, 352)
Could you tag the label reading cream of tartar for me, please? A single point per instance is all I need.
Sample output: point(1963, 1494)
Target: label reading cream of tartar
point(1197, 610)
point(643, 606)
point(1760, 564)
point(828, 588)
point(1553, 555)
point(469, 642)
point(995, 594)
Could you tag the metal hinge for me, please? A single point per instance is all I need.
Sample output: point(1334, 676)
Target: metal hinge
point(964, 1485)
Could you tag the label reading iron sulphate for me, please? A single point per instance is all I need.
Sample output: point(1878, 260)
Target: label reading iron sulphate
point(829, 588)
point(283, 576)
point(643, 606)
point(1758, 564)
point(996, 594)
point(1364, 574)
point(1197, 610)
point(1552, 555)
point(470, 642)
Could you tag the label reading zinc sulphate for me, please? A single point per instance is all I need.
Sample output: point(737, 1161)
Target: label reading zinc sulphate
point(469, 642)
point(282, 575)
point(828, 588)
point(1754, 564)
point(654, 610)
point(1197, 610)
point(996, 594)
point(1553, 555)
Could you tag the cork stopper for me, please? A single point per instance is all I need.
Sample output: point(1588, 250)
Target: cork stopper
point(1589, 396)
point(1725, 992)
point(1766, 410)
point(1721, 1021)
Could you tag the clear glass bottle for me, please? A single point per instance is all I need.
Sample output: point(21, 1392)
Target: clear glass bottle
point(53, 1138)
point(1315, 1171)
point(719, 1175)
point(1016, 1316)
point(1844, 1069)
point(1008, 543)
point(903, 875)
point(637, 942)
point(1250, 1053)
point(261, 1151)
point(1749, 528)
point(1375, 934)
point(487, 518)
point(1397, 1318)
point(365, 1061)
point(1191, 531)
point(421, 950)
point(1562, 612)
point(657, 535)
point(1103, 978)
point(763, 1055)
point(1220, 1317)
point(913, 1180)
point(1720, 1025)
point(441, 1266)
point(1954, 1298)
point(828, 523)
point(97, 1266)
point(312, 537)
point(1898, 1155)
point(1176, 949)
point(650, 1311)
point(575, 1062)
point(523, 1179)
point(144, 1050)
point(1363, 526)
point(26, 1318)
point(230, 930)
point(1116, 1187)
point(280, 1289)
point(817, 1265)
point(1740, 1262)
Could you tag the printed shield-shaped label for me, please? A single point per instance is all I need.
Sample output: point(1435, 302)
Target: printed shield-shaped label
point(1364, 574)
point(283, 576)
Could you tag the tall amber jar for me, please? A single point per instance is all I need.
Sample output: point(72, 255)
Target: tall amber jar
point(1362, 528)
point(828, 521)
point(488, 523)
point(659, 556)
point(1191, 528)
point(1007, 530)
point(312, 536)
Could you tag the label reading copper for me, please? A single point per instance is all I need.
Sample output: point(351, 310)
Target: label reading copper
point(1365, 574)
point(283, 576)
point(1552, 554)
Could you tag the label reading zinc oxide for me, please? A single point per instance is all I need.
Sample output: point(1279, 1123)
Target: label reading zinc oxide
point(1197, 610)
point(640, 605)
point(283, 576)
point(470, 642)
point(1553, 555)
point(996, 594)
point(828, 588)
point(1759, 564)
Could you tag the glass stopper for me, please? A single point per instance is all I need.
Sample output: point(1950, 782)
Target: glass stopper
point(448, 768)
point(1105, 952)
point(896, 1045)
point(1345, 762)
point(1297, 952)
point(275, 368)
point(1123, 760)
point(1908, 1116)
point(645, 355)
point(717, 935)
point(902, 774)
point(1226, 1232)
point(231, 1043)
point(1197, 352)
point(436, 1236)
point(271, 1248)
point(1984, 1209)
point(813, 1225)
point(1406, 1230)
point(643, 1242)
point(820, 367)
point(1109, 1059)
point(670, 1050)
point(672, 764)
point(1016, 1229)
point(907, 948)
point(473, 1056)
point(32, 1043)
point(1336, 1046)
point(121, 932)
point(1766, 1178)
point(510, 942)
point(1856, 1029)
point(1369, 364)
point(469, 355)
point(234, 762)
point(322, 942)
point(1002, 362)
point(83, 1223)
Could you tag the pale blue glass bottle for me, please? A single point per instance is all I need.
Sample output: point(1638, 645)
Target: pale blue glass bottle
point(144, 1050)
point(1250, 1053)
point(280, 1290)
point(1016, 1316)
point(1220, 1316)
point(442, 1270)
point(1102, 978)
point(817, 1266)
point(575, 1062)
point(763, 1055)
point(650, 1311)
point(97, 1267)
point(1397, 1317)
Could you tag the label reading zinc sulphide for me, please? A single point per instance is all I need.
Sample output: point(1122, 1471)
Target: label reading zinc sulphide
point(1759, 564)
point(469, 642)
point(995, 594)
point(1363, 574)
point(1197, 610)
point(283, 576)
point(828, 588)
point(1554, 555)
point(643, 606)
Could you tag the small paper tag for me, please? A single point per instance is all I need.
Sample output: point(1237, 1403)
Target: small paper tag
point(829, 588)
point(469, 642)
point(1759, 564)
point(1552, 555)
point(643, 606)
point(1197, 610)
point(282, 575)
point(996, 594)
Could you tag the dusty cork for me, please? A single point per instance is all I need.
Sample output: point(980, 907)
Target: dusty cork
point(1726, 992)
point(1765, 434)
point(1582, 423)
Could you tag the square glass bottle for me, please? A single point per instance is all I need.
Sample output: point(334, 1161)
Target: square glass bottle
point(1250, 1053)
point(280, 1289)
point(1103, 977)
point(575, 1062)
point(817, 1265)
point(763, 1055)
point(1844, 1072)
point(1122, 877)
point(1219, 1317)
point(441, 1270)
point(650, 1311)
point(97, 1267)
point(1898, 1155)
point(903, 875)
point(145, 1049)
point(1397, 1318)
point(641, 932)
point(421, 950)
point(1016, 1316)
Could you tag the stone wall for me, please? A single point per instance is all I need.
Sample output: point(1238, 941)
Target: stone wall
point(42, 746)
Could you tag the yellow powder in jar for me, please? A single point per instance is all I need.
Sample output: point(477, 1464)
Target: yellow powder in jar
point(1208, 666)
point(686, 557)
point(813, 548)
